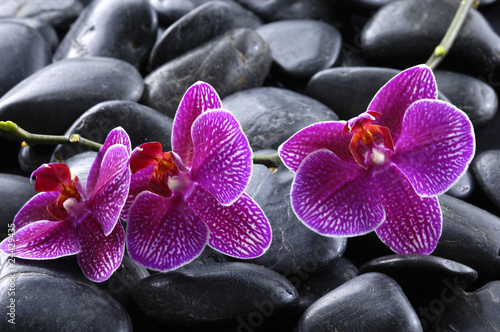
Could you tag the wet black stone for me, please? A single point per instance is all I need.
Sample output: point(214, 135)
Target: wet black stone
point(121, 29)
point(15, 191)
point(141, 123)
point(468, 311)
point(405, 33)
point(296, 251)
point(215, 294)
point(32, 156)
point(348, 90)
point(486, 169)
point(301, 48)
point(55, 12)
point(51, 99)
point(197, 27)
point(464, 187)
point(470, 236)
point(422, 277)
point(269, 116)
point(476, 98)
point(369, 302)
point(325, 279)
point(488, 136)
point(80, 164)
point(45, 30)
point(51, 295)
point(24, 51)
point(362, 6)
point(238, 60)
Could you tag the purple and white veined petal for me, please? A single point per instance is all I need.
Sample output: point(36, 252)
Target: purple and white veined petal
point(43, 239)
point(240, 230)
point(413, 223)
point(222, 158)
point(35, 209)
point(199, 98)
point(115, 136)
point(138, 184)
point(394, 98)
point(111, 189)
point(334, 197)
point(164, 233)
point(322, 135)
point(100, 255)
point(435, 147)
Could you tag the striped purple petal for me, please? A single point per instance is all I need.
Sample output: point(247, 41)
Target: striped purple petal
point(435, 146)
point(334, 197)
point(111, 188)
point(399, 93)
point(100, 255)
point(322, 135)
point(115, 136)
point(199, 98)
point(43, 240)
point(35, 209)
point(138, 184)
point(240, 230)
point(222, 158)
point(413, 223)
point(164, 234)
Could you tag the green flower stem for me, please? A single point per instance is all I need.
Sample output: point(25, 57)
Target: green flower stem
point(32, 139)
point(451, 34)
point(268, 160)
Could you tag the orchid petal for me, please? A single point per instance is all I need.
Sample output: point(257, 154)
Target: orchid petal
point(111, 189)
point(435, 146)
point(164, 233)
point(35, 209)
point(322, 135)
point(413, 223)
point(240, 230)
point(50, 177)
point(334, 197)
point(138, 183)
point(100, 255)
point(222, 158)
point(399, 93)
point(43, 240)
point(199, 98)
point(115, 136)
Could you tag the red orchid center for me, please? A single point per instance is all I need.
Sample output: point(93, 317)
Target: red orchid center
point(56, 208)
point(371, 145)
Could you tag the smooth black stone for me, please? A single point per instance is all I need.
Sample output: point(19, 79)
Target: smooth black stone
point(422, 277)
point(276, 10)
point(238, 60)
point(486, 169)
point(10, 151)
point(24, 51)
point(269, 116)
point(121, 29)
point(216, 294)
point(55, 12)
point(296, 251)
point(476, 98)
point(301, 48)
point(120, 284)
point(471, 311)
point(141, 123)
point(51, 99)
point(470, 236)
point(464, 187)
point(197, 27)
point(369, 302)
point(362, 6)
point(323, 281)
point(405, 33)
point(80, 164)
point(348, 90)
point(51, 296)
point(45, 30)
point(488, 136)
point(32, 156)
point(15, 191)
point(210, 256)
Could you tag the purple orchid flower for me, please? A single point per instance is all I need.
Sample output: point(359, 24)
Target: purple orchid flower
point(383, 169)
point(66, 218)
point(194, 195)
